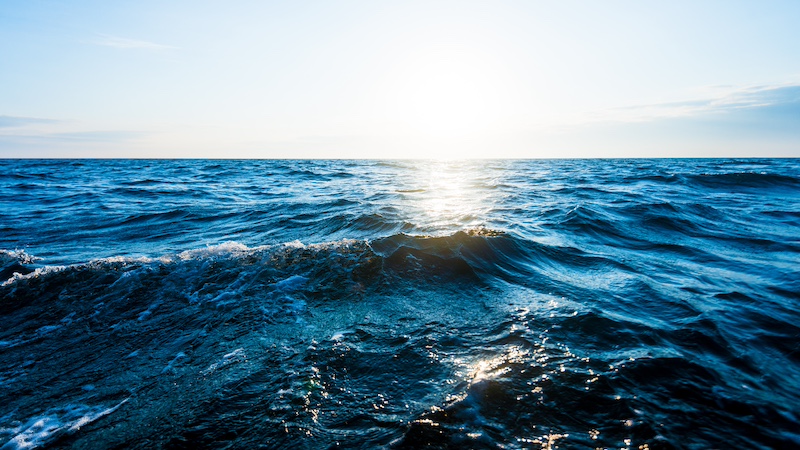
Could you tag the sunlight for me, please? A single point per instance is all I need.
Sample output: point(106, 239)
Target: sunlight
point(448, 96)
point(497, 366)
point(448, 200)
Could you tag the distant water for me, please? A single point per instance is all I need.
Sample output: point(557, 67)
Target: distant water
point(639, 304)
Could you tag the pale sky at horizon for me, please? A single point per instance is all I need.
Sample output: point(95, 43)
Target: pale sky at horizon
point(369, 79)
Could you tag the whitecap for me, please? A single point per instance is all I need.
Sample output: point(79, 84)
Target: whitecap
point(38, 430)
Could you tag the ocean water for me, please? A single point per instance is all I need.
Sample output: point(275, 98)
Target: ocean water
point(639, 304)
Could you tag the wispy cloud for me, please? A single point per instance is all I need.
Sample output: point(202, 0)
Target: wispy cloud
point(89, 144)
point(41, 137)
point(719, 122)
point(126, 43)
point(20, 122)
point(111, 136)
point(727, 100)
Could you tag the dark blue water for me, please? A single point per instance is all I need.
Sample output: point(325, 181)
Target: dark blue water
point(641, 304)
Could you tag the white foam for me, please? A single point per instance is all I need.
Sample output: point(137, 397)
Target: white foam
point(338, 336)
point(27, 259)
point(233, 249)
point(35, 274)
point(36, 431)
point(17, 255)
point(33, 433)
point(124, 259)
point(344, 243)
point(294, 244)
point(228, 249)
point(224, 249)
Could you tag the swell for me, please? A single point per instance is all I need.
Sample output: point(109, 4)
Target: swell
point(330, 266)
point(592, 353)
point(477, 255)
point(285, 280)
point(737, 180)
point(623, 304)
point(15, 262)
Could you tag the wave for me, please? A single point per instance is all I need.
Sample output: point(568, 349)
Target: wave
point(477, 257)
point(735, 180)
point(230, 273)
point(216, 336)
point(52, 424)
point(636, 303)
point(347, 259)
point(15, 262)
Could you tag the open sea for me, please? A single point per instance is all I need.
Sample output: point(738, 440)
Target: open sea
point(543, 304)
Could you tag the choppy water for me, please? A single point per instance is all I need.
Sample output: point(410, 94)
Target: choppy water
point(402, 304)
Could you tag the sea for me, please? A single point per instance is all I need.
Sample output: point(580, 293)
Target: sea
point(400, 304)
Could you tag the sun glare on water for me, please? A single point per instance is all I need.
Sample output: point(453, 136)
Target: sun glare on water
point(450, 199)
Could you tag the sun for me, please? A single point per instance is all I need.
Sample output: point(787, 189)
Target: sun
point(445, 99)
point(443, 95)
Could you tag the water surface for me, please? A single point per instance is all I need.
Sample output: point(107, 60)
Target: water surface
point(400, 304)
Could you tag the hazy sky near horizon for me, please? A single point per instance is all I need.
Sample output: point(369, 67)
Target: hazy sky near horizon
point(380, 79)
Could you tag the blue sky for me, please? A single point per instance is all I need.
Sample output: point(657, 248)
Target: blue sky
point(370, 79)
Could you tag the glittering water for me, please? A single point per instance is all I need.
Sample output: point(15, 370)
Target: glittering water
point(401, 304)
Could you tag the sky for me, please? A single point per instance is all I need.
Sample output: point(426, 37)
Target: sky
point(391, 79)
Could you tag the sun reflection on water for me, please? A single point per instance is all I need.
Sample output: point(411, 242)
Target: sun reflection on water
point(451, 195)
point(494, 367)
